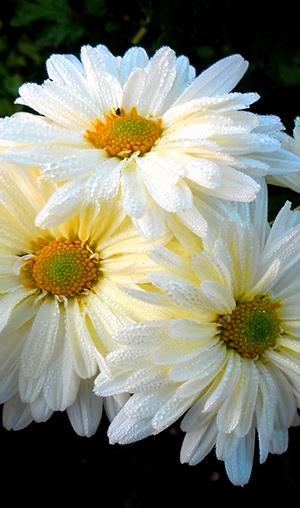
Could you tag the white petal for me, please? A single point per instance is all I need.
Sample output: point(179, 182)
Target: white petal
point(127, 359)
point(162, 167)
point(284, 362)
point(23, 313)
point(250, 398)
point(9, 302)
point(161, 72)
point(82, 347)
point(114, 404)
point(29, 388)
point(209, 267)
point(40, 343)
point(173, 262)
point(230, 413)
point(9, 384)
point(170, 412)
point(226, 384)
point(40, 411)
point(63, 204)
point(266, 281)
point(143, 406)
point(194, 220)
point(134, 58)
point(281, 224)
point(190, 330)
point(61, 382)
point(179, 291)
point(218, 79)
point(107, 387)
point(57, 162)
point(205, 173)
point(85, 414)
point(134, 89)
point(104, 58)
point(235, 186)
point(185, 73)
point(173, 354)
point(152, 223)
point(104, 182)
point(18, 204)
point(146, 379)
point(197, 444)
point(51, 100)
point(16, 415)
point(204, 368)
point(279, 443)
point(134, 196)
point(142, 333)
point(266, 404)
point(67, 69)
point(222, 104)
point(225, 128)
point(171, 198)
point(226, 445)
point(286, 250)
point(63, 163)
point(269, 124)
point(105, 320)
point(281, 162)
point(259, 213)
point(77, 107)
point(106, 87)
point(286, 400)
point(125, 430)
point(222, 300)
point(239, 464)
point(27, 128)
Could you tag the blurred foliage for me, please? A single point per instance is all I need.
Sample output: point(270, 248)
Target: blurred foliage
point(30, 30)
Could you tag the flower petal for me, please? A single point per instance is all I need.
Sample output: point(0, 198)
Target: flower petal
point(85, 414)
point(104, 85)
point(16, 415)
point(134, 58)
point(103, 184)
point(218, 79)
point(63, 204)
point(134, 197)
point(161, 72)
point(9, 302)
point(40, 343)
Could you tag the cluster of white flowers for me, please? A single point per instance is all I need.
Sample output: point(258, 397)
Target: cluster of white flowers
point(138, 270)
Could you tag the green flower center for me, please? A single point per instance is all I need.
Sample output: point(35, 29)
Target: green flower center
point(64, 268)
point(252, 327)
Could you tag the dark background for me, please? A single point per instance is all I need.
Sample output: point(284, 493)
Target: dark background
point(47, 464)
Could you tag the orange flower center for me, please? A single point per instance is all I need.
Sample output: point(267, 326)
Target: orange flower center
point(122, 134)
point(62, 267)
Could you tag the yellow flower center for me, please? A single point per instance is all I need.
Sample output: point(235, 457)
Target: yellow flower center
point(122, 134)
point(62, 267)
point(252, 327)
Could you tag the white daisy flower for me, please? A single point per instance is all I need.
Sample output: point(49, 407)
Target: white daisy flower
point(230, 358)
point(291, 144)
point(60, 303)
point(146, 128)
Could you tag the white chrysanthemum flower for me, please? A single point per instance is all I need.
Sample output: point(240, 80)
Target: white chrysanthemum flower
point(147, 128)
point(60, 302)
point(230, 358)
point(291, 144)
